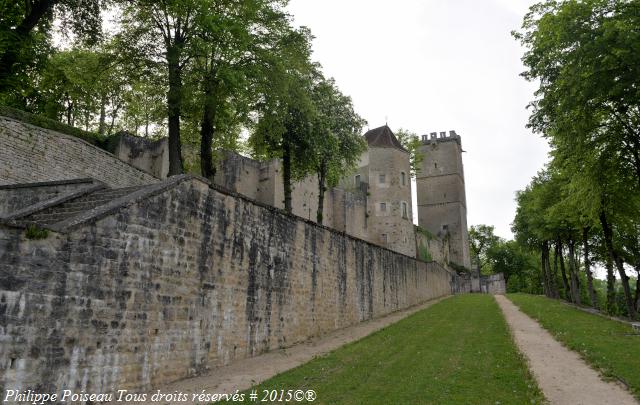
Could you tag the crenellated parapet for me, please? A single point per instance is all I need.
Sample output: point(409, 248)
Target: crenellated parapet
point(435, 137)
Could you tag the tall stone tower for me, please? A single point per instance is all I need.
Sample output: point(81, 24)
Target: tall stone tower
point(442, 202)
point(384, 167)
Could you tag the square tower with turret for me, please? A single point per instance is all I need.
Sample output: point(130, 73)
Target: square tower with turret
point(442, 203)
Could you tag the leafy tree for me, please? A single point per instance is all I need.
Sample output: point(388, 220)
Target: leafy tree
point(161, 33)
point(76, 85)
point(481, 240)
point(586, 58)
point(234, 39)
point(510, 259)
point(24, 24)
point(144, 109)
point(411, 142)
point(336, 143)
point(286, 111)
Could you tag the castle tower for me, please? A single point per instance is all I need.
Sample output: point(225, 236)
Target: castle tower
point(385, 167)
point(442, 203)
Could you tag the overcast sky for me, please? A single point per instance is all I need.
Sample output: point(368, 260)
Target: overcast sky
point(438, 65)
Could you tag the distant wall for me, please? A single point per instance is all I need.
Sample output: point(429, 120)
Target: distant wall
point(344, 210)
point(494, 284)
point(15, 197)
point(32, 154)
point(175, 283)
point(151, 156)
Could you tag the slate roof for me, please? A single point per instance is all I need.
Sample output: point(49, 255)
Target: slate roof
point(383, 137)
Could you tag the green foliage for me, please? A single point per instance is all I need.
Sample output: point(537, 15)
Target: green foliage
point(411, 142)
point(424, 232)
point(459, 268)
point(395, 366)
point(510, 259)
point(481, 239)
point(584, 56)
point(34, 232)
point(423, 253)
point(608, 345)
point(25, 26)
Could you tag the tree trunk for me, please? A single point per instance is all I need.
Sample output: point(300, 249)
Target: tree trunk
point(114, 114)
point(611, 286)
point(637, 298)
point(322, 176)
point(546, 285)
point(10, 56)
point(565, 280)
point(69, 111)
point(102, 126)
point(551, 274)
point(286, 173)
point(573, 272)
point(617, 260)
point(206, 130)
point(554, 273)
point(174, 109)
point(587, 267)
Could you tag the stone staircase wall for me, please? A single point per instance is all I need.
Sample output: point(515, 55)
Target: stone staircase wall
point(33, 154)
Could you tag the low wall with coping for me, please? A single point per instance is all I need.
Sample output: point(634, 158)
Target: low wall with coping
point(181, 279)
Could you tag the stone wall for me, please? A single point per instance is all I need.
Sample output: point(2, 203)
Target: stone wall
point(184, 279)
point(15, 197)
point(432, 248)
point(344, 210)
point(493, 284)
point(149, 155)
point(32, 154)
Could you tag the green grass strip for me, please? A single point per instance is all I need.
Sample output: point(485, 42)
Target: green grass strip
point(610, 346)
point(458, 351)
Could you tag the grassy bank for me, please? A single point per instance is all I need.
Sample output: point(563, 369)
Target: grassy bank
point(611, 346)
point(458, 351)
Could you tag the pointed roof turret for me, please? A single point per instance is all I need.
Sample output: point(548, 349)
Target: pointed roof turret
point(383, 137)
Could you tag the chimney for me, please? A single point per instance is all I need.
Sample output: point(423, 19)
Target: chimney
point(453, 134)
point(443, 134)
point(434, 135)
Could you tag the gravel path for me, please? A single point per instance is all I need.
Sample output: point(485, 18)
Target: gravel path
point(246, 373)
point(561, 374)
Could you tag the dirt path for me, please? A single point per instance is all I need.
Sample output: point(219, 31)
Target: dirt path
point(246, 373)
point(561, 374)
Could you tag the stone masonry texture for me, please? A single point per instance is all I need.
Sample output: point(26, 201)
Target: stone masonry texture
point(32, 154)
point(168, 286)
point(13, 198)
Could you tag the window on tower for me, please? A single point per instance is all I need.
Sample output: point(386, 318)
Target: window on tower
point(405, 210)
point(382, 179)
point(403, 178)
point(383, 207)
point(357, 180)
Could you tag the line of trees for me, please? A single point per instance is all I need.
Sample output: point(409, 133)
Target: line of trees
point(583, 209)
point(207, 73)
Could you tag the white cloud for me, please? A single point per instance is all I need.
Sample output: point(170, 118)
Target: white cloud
point(434, 66)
